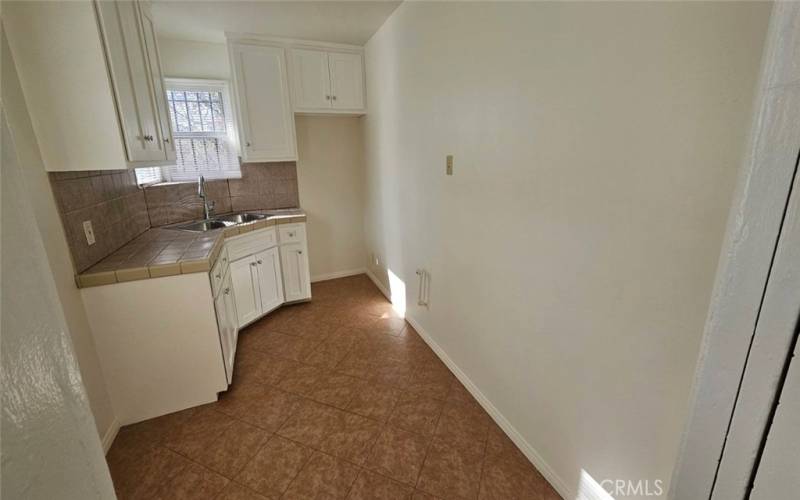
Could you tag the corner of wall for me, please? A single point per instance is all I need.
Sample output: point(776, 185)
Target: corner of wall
point(50, 227)
point(530, 452)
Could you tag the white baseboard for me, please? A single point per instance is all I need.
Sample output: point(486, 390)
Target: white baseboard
point(533, 456)
point(111, 433)
point(337, 274)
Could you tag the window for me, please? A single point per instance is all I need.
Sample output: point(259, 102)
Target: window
point(202, 127)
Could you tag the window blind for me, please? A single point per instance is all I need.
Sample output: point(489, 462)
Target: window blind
point(148, 175)
point(202, 128)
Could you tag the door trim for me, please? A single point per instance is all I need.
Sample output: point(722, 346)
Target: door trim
point(751, 237)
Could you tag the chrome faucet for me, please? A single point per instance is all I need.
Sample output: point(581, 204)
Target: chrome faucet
point(208, 208)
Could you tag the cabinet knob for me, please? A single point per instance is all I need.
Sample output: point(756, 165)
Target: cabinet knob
point(300, 252)
point(334, 98)
point(327, 98)
point(166, 141)
point(247, 144)
point(227, 291)
point(218, 276)
point(260, 262)
point(253, 264)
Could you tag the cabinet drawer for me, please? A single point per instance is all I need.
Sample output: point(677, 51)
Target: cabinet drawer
point(250, 243)
point(292, 233)
point(218, 271)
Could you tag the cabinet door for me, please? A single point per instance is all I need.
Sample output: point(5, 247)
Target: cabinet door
point(224, 327)
point(269, 277)
point(244, 277)
point(166, 141)
point(126, 55)
point(230, 310)
point(227, 324)
point(347, 80)
point(296, 281)
point(265, 111)
point(311, 82)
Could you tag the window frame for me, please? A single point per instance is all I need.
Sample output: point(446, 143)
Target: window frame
point(231, 123)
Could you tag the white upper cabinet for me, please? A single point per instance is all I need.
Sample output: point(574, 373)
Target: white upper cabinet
point(264, 107)
point(326, 81)
point(154, 58)
point(92, 83)
point(310, 80)
point(347, 81)
point(129, 67)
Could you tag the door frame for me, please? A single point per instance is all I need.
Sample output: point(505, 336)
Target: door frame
point(752, 234)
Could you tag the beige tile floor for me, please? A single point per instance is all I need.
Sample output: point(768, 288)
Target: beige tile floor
point(336, 398)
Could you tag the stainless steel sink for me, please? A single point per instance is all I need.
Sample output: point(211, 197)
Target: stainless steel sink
point(202, 226)
point(241, 218)
point(218, 222)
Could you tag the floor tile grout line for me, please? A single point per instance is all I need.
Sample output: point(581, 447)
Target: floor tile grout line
point(428, 448)
point(299, 470)
point(387, 345)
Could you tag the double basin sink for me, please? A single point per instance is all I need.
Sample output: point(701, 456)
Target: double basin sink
point(218, 222)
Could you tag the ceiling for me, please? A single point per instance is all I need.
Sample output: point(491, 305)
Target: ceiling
point(326, 21)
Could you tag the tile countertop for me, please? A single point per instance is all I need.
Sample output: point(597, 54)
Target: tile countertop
point(162, 252)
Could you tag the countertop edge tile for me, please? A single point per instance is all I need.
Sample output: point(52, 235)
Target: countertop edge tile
point(97, 279)
point(132, 274)
point(163, 270)
point(182, 266)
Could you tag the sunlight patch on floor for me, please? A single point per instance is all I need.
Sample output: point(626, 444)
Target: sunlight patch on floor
point(397, 290)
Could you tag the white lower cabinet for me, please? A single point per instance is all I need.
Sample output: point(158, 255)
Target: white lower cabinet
point(228, 325)
point(180, 354)
point(268, 266)
point(246, 289)
point(296, 281)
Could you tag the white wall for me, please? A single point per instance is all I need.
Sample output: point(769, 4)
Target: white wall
point(55, 244)
point(188, 59)
point(50, 444)
point(330, 173)
point(329, 170)
point(572, 253)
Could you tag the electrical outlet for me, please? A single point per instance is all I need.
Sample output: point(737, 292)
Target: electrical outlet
point(449, 168)
point(89, 232)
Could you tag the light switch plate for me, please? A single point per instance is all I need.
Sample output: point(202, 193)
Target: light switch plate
point(89, 232)
point(449, 164)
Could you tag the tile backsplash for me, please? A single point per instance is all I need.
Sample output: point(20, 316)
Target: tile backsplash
point(120, 210)
point(262, 186)
point(110, 199)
